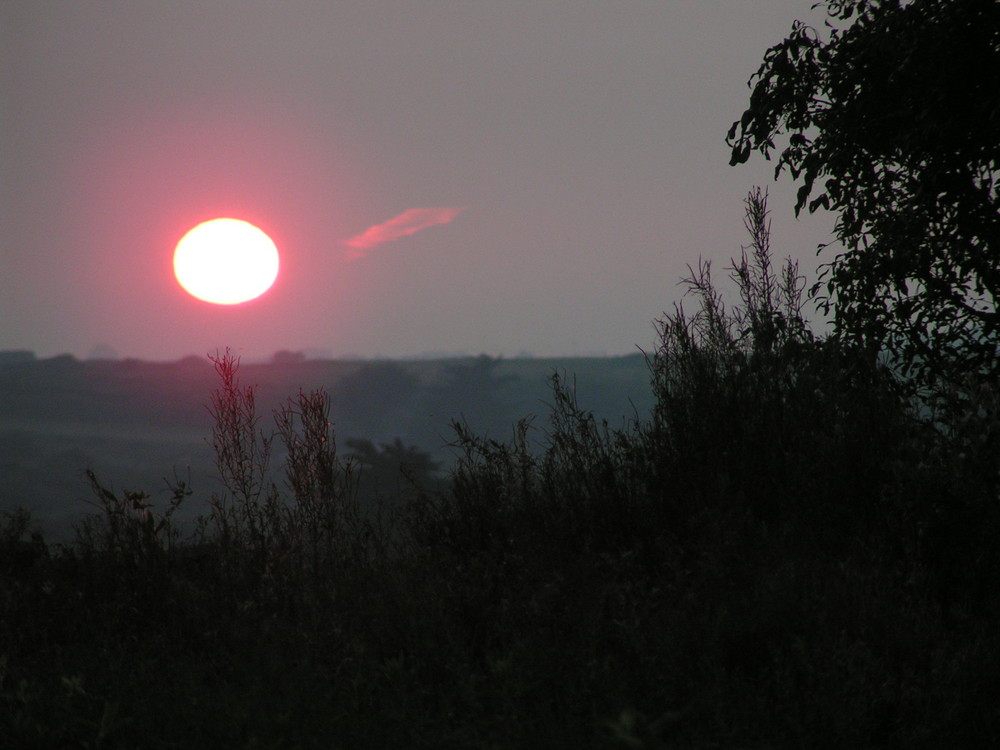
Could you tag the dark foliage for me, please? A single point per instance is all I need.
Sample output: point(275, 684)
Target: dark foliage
point(891, 121)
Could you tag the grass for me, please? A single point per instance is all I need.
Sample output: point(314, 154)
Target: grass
point(781, 555)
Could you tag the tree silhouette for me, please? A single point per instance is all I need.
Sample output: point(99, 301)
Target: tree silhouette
point(393, 470)
point(892, 122)
point(474, 391)
point(376, 399)
point(287, 357)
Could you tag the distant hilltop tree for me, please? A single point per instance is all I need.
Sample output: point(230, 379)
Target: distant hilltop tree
point(286, 357)
point(103, 351)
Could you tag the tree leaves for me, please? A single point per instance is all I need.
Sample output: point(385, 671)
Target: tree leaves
point(895, 115)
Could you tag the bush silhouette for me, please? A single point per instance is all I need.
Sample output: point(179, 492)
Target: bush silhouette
point(785, 551)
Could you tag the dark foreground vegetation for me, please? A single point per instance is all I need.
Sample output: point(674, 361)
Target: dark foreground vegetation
point(792, 550)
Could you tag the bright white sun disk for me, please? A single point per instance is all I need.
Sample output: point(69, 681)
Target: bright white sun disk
point(226, 262)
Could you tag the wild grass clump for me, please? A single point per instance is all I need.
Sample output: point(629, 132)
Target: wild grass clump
point(785, 552)
point(315, 522)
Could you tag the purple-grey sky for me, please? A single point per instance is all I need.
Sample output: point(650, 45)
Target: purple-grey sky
point(455, 176)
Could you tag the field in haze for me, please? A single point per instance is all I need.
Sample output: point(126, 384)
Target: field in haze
point(138, 423)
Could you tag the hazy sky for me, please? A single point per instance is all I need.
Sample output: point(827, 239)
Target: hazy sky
point(572, 152)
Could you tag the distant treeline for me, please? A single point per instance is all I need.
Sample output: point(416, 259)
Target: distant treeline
point(139, 422)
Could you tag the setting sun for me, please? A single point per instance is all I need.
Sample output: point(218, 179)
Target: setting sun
point(226, 262)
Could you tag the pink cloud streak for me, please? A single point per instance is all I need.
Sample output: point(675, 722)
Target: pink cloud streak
point(408, 222)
